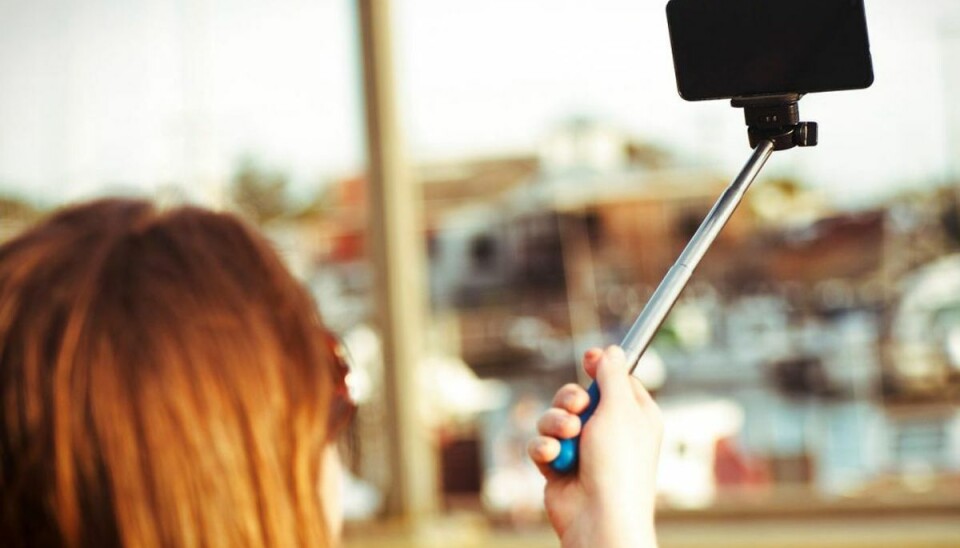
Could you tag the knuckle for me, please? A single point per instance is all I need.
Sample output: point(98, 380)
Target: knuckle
point(565, 393)
point(550, 420)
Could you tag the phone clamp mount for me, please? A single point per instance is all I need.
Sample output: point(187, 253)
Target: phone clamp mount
point(776, 118)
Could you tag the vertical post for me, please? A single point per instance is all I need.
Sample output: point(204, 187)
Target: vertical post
point(397, 255)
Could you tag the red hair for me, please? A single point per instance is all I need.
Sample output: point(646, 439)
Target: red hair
point(162, 383)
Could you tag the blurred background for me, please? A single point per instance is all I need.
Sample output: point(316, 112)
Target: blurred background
point(500, 188)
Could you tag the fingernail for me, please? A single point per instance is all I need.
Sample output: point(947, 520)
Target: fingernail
point(592, 355)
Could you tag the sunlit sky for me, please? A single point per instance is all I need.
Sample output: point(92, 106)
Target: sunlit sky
point(102, 95)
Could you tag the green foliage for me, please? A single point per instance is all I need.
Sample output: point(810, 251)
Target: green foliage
point(648, 155)
point(788, 187)
point(259, 193)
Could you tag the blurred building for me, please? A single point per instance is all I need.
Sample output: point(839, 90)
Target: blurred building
point(818, 344)
point(790, 320)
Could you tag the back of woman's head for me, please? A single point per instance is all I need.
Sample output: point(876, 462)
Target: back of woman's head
point(162, 383)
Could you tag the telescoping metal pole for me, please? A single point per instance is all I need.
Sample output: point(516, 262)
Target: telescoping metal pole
point(637, 340)
point(648, 322)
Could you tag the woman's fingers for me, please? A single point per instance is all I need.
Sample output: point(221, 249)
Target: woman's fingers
point(572, 398)
point(591, 359)
point(609, 368)
point(543, 449)
point(558, 423)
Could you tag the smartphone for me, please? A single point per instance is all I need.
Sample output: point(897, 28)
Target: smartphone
point(743, 48)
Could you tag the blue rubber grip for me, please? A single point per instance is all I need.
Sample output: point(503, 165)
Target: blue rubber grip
point(569, 456)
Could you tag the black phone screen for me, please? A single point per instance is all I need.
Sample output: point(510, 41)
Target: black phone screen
point(741, 48)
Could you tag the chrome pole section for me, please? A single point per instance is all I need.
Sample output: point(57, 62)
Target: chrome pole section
point(637, 340)
point(659, 305)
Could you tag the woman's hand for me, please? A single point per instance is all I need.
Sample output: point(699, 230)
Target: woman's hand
point(609, 501)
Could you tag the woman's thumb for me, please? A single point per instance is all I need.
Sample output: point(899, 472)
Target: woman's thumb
point(612, 375)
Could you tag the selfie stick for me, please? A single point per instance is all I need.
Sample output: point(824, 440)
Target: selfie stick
point(645, 327)
point(773, 123)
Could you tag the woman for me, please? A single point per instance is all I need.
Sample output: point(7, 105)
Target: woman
point(164, 381)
